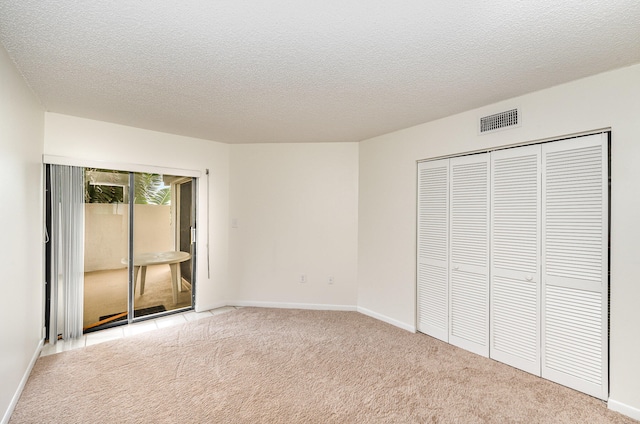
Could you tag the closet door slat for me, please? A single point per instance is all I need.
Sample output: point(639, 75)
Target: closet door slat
point(515, 257)
point(433, 249)
point(469, 253)
point(575, 264)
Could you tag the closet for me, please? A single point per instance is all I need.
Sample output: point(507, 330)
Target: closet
point(512, 257)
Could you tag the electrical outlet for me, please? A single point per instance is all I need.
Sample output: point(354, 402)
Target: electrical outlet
point(330, 279)
point(303, 278)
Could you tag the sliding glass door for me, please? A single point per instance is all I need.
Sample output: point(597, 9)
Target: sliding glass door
point(106, 246)
point(138, 232)
point(120, 247)
point(162, 249)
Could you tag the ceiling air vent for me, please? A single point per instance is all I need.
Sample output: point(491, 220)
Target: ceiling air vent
point(497, 121)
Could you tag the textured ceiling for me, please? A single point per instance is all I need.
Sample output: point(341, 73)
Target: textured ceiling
point(302, 70)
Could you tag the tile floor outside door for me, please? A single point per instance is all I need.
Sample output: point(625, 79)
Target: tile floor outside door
point(130, 330)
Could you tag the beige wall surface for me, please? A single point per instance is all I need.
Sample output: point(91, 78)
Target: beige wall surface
point(387, 210)
point(21, 215)
point(90, 140)
point(152, 229)
point(296, 210)
point(106, 227)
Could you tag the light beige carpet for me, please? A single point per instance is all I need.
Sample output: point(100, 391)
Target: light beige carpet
point(291, 366)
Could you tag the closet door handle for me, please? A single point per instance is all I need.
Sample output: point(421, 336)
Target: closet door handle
point(528, 278)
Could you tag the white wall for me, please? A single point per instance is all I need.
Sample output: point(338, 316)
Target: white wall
point(87, 139)
point(386, 264)
point(296, 204)
point(296, 207)
point(21, 224)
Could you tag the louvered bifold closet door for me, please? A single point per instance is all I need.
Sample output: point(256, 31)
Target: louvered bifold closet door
point(469, 253)
point(515, 257)
point(575, 264)
point(433, 245)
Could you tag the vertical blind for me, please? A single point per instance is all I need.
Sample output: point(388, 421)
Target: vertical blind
point(67, 252)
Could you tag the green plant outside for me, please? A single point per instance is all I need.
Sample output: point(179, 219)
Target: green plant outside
point(149, 189)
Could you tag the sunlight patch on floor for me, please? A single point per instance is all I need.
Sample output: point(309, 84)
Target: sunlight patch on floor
point(130, 330)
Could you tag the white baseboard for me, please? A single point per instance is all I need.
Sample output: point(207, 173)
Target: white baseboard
point(324, 307)
point(209, 306)
point(285, 305)
point(625, 409)
point(387, 319)
point(23, 382)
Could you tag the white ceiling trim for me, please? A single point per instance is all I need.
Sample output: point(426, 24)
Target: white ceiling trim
point(117, 166)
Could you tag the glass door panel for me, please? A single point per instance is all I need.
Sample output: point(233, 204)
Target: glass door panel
point(162, 262)
point(185, 219)
point(152, 215)
point(106, 245)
